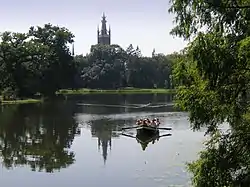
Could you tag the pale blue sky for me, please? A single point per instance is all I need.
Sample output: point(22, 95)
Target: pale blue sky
point(140, 22)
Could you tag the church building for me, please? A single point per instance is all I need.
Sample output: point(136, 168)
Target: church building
point(103, 35)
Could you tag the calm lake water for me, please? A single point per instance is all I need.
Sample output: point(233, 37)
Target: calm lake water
point(79, 142)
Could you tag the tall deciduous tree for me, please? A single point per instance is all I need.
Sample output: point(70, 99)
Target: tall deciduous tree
point(36, 62)
point(61, 69)
point(214, 77)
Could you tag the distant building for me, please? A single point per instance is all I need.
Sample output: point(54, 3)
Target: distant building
point(103, 36)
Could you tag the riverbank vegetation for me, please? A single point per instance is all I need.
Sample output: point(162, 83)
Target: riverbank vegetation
point(117, 91)
point(20, 101)
point(40, 62)
point(213, 86)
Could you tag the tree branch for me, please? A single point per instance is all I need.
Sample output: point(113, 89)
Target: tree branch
point(216, 3)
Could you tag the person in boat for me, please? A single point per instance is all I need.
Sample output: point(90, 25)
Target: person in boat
point(148, 122)
point(139, 122)
point(158, 122)
point(155, 122)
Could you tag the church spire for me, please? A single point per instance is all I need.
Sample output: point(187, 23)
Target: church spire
point(104, 27)
point(153, 53)
point(104, 34)
point(73, 50)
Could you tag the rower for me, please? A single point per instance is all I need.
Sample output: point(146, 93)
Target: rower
point(148, 121)
point(145, 122)
point(138, 122)
point(158, 122)
point(153, 122)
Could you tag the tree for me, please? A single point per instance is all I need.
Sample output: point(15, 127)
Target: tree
point(36, 62)
point(106, 67)
point(82, 64)
point(109, 67)
point(39, 62)
point(214, 77)
point(22, 61)
point(61, 70)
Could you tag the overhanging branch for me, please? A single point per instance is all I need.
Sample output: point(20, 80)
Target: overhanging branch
point(218, 3)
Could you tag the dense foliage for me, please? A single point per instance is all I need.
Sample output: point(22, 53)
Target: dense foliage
point(213, 86)
point(36, 62)
point(40, 62)
point(111, 67)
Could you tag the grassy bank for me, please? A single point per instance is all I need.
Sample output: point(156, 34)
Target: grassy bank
point(118, 91)
point(21, 101)
point(90, 91)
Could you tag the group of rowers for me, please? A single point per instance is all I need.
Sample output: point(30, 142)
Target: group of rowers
point(148, 122)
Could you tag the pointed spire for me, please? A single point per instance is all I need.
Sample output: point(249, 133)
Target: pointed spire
point(153, 53)
point(103, 34)
point(73, 50)
point(104, 28)
point(103, 16)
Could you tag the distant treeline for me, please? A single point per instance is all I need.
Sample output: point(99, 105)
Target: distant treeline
point(40, 62)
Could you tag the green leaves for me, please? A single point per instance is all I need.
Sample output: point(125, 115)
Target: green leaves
point(225, 162)
point(36, 62)
point(244, 52)
point(213, 78)
point(197, 15)
point(110, 67)
point(105, 67)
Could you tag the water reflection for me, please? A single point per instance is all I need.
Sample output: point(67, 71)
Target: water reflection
point(117, 104)
point(47, 138)
point(39, 136)
point(106, 129)
point(105, 115)
point(103, 130)
point(144, 139)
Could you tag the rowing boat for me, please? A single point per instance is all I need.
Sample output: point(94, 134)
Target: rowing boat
point(148, 129)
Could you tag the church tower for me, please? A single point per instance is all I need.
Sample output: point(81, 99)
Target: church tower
point(103, 36)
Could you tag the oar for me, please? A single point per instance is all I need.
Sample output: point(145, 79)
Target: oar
point(164, 128)
point(165, 135)
point(128, 135)
point(129, 127)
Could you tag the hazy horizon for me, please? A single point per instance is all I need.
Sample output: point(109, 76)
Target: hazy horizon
point(146, 24)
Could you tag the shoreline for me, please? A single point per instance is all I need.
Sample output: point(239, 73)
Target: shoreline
point(84, 91)
point(19, 101)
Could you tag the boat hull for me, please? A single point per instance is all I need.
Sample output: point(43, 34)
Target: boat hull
point(146, 130)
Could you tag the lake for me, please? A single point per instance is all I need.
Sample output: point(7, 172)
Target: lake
point(79, 142)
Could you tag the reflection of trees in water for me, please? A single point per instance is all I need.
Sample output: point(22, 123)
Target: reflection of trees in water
point(38, 136)
point(105, 130)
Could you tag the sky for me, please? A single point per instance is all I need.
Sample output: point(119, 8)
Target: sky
point(137, 22)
